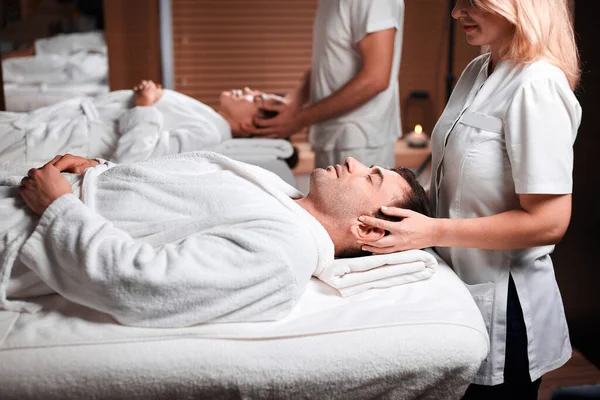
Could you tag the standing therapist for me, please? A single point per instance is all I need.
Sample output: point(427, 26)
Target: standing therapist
point(354, 108)
point(501, 186)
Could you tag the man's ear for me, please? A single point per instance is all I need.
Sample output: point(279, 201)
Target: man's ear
point(366, 233)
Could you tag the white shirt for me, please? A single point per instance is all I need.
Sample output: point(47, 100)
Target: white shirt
point(500, 136)
point(339, 26)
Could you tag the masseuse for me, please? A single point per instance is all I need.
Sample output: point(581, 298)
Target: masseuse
point(501, 186)
point(350, 96)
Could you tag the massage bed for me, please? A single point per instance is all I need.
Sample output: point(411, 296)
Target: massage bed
point(421, 340)
point(28, 97)
point(269, 154)
point(63, 67)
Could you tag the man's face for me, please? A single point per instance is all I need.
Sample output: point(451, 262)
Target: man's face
point(241, 105)
point(345, 192)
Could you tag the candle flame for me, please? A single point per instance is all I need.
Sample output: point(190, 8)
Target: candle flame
point(418, 129)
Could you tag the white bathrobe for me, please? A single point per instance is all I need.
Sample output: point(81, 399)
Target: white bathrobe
point(70, 58)
point(174, 241)
point(109, 127)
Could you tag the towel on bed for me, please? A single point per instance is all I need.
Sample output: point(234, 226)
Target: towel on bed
point(351, 276)
point(256, 148)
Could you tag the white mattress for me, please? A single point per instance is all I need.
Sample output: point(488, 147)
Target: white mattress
point(24, 98)
point(422, 340)
point(277, 166)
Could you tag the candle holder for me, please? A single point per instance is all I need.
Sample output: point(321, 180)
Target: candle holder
point(417, 138)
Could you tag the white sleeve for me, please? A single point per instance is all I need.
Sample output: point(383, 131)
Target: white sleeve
point(540, 128)
point(140, 130)
point(207, 276)
point(368, 16)
point(142, 135)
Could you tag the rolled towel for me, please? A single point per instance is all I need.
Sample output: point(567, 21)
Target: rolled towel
point(352, 276)
point(240, 149)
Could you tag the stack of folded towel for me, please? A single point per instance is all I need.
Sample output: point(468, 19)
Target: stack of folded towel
point(256, 148)
point(351, 276)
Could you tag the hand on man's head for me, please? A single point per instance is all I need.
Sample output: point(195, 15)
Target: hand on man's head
point(42, 186)
point(414, 231)
point(282, 126)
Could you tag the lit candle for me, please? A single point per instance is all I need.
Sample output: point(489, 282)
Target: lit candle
point(417, 138)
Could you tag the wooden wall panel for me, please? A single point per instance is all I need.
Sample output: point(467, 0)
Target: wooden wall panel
point(226, 44)
point(132, 37)
point(266, 44)
point(425, 54)
point(577, 256)
point(2, 103)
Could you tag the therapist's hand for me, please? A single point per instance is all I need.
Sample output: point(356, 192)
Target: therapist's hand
point(71, 163)
point(42, 186)
point(286, 123)
point(414, 231)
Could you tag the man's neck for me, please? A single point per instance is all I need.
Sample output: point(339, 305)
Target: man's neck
point(336, 234)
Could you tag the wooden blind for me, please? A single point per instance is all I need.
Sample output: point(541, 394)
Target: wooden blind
point(132, 37)
point(229, 44)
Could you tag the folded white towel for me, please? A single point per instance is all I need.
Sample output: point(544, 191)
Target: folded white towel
point(351, 276)
point(256, 148)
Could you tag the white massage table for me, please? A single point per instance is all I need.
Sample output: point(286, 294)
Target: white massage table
point(277, 166)
point(269, 154)
point(422, 340)
point(28, 97)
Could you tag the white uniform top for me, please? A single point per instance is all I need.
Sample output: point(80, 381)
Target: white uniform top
point(500, 136)
point(339, 26)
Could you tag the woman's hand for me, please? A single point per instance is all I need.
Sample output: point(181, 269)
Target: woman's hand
point(42, 186)
point(147, 93)
point(414, 231)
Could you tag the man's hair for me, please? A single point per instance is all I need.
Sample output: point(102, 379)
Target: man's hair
point(414, 199)
point(267, 114)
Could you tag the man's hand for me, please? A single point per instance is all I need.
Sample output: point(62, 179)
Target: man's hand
point(147, 93)
point(70, 163)
point(281, 127)
point(42, 186)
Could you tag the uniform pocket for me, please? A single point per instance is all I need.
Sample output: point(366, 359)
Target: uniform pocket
point(483, 294)
point(482, 121)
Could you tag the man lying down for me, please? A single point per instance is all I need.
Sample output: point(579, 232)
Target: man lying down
point(127, 126)
point(184, 239)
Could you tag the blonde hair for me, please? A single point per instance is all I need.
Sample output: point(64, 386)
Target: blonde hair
point(543, 30)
